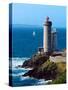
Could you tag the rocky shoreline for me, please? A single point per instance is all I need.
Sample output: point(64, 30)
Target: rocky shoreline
point(43, 68)
point(35, 61)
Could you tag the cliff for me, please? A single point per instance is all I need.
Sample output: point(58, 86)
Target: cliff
point(43, 68)
point(35, 61)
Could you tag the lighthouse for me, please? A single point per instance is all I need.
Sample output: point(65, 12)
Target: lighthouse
point(53, 40)
point(47, 35)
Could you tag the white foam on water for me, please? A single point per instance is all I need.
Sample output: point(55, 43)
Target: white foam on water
point(23, 69)
point(23, 78)
point(42, 81)
point(26, 69)
point(19, 61)
point(14, 62)
point(48, 81)
point(19, 74)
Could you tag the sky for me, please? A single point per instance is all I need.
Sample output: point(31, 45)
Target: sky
point(35, 14)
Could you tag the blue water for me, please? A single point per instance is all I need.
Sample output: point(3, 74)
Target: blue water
point(24, 45)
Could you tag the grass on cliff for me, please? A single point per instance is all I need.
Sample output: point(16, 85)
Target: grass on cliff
point(61, 76)
point(60, 66)
point(57, 71)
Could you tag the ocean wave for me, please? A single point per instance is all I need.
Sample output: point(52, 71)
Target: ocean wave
point(43, 81)
point(17, 75)
point(19, 58)
point(20, 68)
point(16, 58)
point(48, 81)
point(24, 78)
point(23, 69)
point(34, 81)
point(16, 61)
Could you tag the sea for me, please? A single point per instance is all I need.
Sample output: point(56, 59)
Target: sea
point(25, 43)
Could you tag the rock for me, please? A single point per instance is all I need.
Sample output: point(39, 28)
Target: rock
point(35, 61)
point(43, 68)
point(45, 71)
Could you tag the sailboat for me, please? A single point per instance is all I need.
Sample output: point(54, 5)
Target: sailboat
point(33, 33)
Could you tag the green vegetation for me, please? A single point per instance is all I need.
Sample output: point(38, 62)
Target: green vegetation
point(60, 69)
point(49, 70)
point(61, 78)
point(43, 68)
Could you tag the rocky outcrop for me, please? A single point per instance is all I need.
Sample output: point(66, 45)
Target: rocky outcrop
point(43, 68)
point(35, 61)
point(47, 70)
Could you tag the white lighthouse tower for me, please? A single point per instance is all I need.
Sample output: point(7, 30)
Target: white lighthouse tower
point(47, 35)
